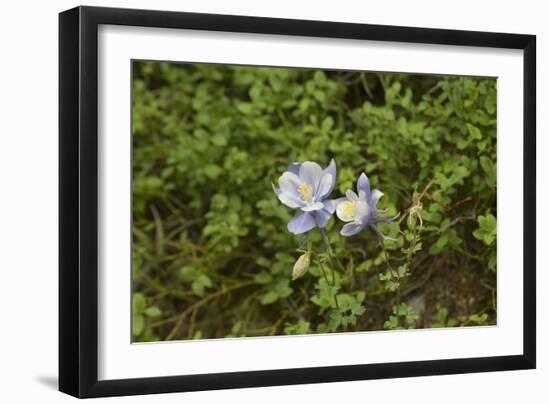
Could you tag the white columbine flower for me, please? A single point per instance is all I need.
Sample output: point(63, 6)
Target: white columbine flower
point(306, 187)
point(359, 210)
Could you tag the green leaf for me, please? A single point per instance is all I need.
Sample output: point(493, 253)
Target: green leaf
point(319, 95)
point(491, 104)
point(335, 320)
point(138, 303)
point(475, 133)
point(153, 312)
point(442, 315)
point(492, 260)
point(392, 286)
point(263, 278)
point(219, 140)
point(198, 288)
point(283, 289)
point(403, 270)
point(201, 281)
point(301, 327)
point(245, 107)
point(487, 230)
point(212, 171)
point(263, 262)
point(439, 245)
point(269, 297)
point(478, 319)
point(364, 266)
point(137, 324)
point(204, 280)
point(187, 274)
point(392, 323)
point(236, 328)
point(327, 124)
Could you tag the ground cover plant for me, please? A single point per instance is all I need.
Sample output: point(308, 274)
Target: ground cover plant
point(280, 201)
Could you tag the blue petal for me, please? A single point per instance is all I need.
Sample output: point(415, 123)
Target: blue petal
point(376, 219)
point(311, 174)
point(331, 169)
point(330, 204)
point(325, 185)
point(294, 168)
point(301, 224)
point(363, 184)
point(351, 229)
point(321, 217)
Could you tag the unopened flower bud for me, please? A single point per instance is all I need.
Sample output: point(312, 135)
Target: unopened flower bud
point(301, 266)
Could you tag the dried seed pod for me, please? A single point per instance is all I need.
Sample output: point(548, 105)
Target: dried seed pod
point(301, 266)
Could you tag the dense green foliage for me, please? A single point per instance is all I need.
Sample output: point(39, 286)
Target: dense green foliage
point(212, 256)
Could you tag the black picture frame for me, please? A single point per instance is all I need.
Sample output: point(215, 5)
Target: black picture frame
point(78, 201)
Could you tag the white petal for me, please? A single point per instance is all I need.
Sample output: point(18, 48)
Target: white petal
point(290, 200)
point(352, 196)
point(289, 182)
point(311, 173)
point(362, 210)
point(313, 206)
point(325, 186)
point(375, 197)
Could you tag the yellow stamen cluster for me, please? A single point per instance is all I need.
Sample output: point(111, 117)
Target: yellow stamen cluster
point(348, 208)
point(306, 192)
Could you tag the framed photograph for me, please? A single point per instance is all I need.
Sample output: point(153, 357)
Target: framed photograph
point(251, 201)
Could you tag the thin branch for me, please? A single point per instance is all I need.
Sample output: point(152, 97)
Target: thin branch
point(366, 86)
point(180, 318)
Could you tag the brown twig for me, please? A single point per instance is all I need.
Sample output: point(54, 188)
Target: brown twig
point(366, 86)
point(159, 234)
point(417, 201)
point(180, 318)
point(192, 323)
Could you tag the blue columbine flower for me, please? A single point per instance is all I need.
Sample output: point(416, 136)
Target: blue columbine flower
point(306, 187)
point(360, 210)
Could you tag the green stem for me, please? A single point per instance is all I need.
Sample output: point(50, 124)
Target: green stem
point(326, 240)
point(330, 254)
point(467, 254)
point(387, 259)
point(386, 256)
point(412, 245)
point(328, 283)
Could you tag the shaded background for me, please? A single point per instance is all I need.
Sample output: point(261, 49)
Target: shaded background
point(212, 257)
